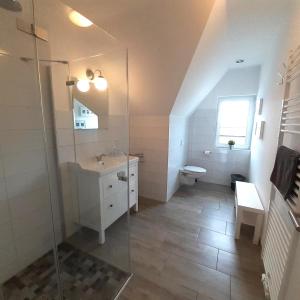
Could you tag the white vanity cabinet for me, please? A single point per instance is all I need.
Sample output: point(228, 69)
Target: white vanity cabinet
point(104, 195)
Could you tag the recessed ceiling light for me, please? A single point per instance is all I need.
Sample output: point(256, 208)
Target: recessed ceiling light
point(79, 20)
point(240, 61)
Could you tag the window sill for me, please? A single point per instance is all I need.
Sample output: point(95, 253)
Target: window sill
point(233, 149)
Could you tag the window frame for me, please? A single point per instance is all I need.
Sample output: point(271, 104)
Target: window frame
point(252, 102)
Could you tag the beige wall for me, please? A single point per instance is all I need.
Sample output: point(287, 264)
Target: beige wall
point(161, 38)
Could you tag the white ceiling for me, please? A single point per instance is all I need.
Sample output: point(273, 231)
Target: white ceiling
point(253, 26)
point(163, 36)
point(241, 30)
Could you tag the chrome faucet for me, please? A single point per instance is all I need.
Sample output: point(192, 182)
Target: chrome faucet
point(99, 158)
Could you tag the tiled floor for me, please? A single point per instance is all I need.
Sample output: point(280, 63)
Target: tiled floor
point(182, 250)
point(83, 276)
point(185, 249)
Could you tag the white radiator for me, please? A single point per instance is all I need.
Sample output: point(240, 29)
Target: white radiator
point(277, 245)
point(284, 216)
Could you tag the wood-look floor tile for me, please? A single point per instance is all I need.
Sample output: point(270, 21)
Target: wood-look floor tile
point(227, 243)
point(178, 226)
point(243, 290)
point(145, 259)
point(191, 250)
point(248, 268)
point(189, 201)
point(150, 234)
point(175, 249)
point(224, 214)
point(209, 283)
point(178, 212)
point(206, 186)
point(211, 223)
point(230, 229)
point(179, 202)
point(140, 288)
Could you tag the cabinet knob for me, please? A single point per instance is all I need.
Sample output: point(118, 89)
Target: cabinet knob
point(132, 174)
point(132, 191)
point(110, 186)
point(111, 205)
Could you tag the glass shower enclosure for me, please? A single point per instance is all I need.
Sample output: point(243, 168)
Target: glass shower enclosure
point(64, 164)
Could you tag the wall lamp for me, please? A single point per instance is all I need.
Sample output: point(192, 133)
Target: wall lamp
point(96, 78)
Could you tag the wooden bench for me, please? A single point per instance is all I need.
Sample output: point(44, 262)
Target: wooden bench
point(249, 209)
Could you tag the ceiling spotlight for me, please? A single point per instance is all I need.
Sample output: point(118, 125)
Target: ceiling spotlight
point(240, 61)
point(79, 20)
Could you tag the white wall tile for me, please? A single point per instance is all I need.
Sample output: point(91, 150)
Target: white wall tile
point(25, 182)
point(202, 129)
point(17, 163)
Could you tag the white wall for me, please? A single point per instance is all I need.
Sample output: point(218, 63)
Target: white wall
point(177, 154)
point(161, 37)
point(209, 63)
point(149, 135)
point(264, 151)
point(203, 124)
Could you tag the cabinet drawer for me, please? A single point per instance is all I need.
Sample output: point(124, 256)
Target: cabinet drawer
point(111, 210)
point(133, 173)
point(132, 196)
point(110, 184)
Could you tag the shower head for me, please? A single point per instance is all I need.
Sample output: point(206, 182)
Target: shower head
point(12, 5)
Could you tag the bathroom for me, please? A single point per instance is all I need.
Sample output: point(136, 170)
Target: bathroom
point(115, 161)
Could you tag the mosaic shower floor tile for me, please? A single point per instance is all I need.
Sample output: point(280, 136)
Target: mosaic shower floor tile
point(83, 277)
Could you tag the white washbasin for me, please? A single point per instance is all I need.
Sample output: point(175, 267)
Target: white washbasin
point(107, 165)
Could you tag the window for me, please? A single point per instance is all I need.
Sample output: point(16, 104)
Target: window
point(235, 121)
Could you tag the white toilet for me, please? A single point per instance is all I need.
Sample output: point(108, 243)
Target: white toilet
point(189, 174)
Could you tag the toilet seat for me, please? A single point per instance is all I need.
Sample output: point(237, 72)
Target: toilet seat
point(193, 170)
point(190, 174)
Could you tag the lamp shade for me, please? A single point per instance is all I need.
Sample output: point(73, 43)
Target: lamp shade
point(83, 85)
point(100, 83)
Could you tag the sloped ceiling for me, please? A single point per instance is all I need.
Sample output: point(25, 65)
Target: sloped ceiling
point(161, 36)
point(235, 30)
point(179, 50)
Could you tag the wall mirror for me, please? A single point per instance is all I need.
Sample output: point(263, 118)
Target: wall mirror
point(89, 108)
point(84, 118)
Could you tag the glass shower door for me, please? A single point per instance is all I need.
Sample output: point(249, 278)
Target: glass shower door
point(64, 165)
point(27, 265)
point(91, 141)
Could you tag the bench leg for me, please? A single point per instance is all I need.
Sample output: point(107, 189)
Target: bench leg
point(258, 227)
point(238, 224)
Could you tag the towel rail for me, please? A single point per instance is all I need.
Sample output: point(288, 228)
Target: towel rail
point(294, 98)
point(291, 105)
point(291, 111)
point(280, 231)
point(290, 118)
point(290, 131)
point(286, 125)
point(294, 220)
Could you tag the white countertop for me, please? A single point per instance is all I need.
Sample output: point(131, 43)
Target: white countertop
point(108, 165)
